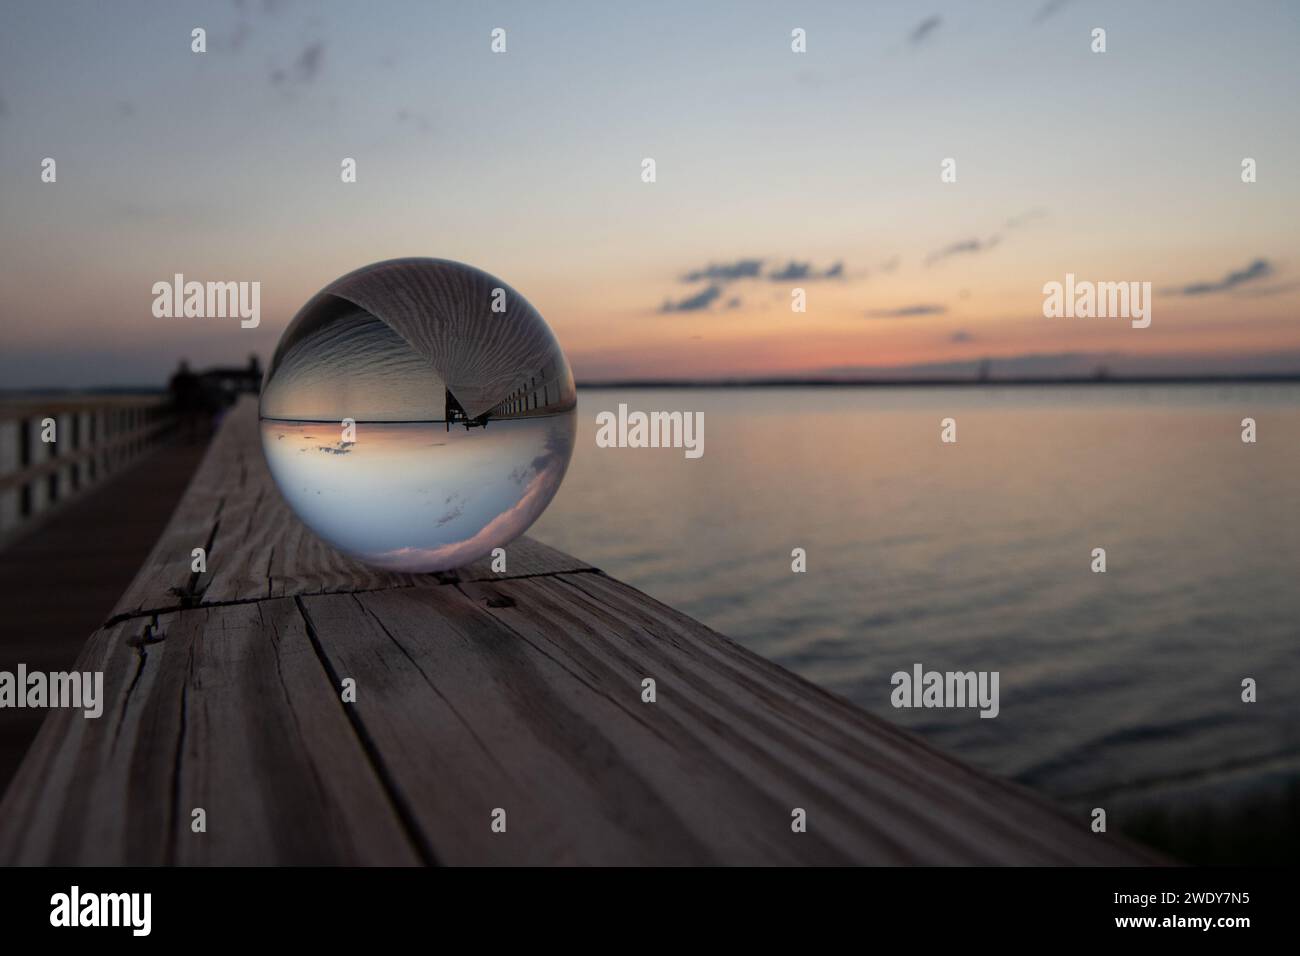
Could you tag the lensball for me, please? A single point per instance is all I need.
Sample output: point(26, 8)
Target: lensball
point(417, 414)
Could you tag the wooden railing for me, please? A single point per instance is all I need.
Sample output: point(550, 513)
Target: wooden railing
point(53, 448)
point(283, 704)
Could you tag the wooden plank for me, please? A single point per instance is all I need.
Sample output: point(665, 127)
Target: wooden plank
point(907, 801)
point(523, 695)
point(230, 711)
point(256, 548)
point(526, 695)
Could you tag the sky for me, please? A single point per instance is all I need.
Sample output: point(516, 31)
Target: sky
point(775, 170)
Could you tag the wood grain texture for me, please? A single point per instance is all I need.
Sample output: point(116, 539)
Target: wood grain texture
point(474, 692)
point(226, 709)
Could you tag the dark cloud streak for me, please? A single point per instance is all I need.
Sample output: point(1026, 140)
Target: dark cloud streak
point(923, 30)
point(305, 69)
point(720, 275)
point(726, 271)
point(966, 246)
point(1259, 269)
point(907, 311)
point(1049, 9)
point(794, 271)
point(699, 302)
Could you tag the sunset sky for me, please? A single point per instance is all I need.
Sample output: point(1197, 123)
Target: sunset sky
point(774, 169)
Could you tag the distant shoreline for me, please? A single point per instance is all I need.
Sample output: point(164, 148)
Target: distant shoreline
point(1292, 378)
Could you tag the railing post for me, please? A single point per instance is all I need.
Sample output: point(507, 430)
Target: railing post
point(9, 516)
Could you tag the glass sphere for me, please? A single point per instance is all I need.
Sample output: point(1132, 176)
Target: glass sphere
point(417, 414)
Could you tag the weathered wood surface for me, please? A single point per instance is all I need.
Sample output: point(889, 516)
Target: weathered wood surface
point(475, 691)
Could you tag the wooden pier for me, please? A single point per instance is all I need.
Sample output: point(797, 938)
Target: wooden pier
point(476, 692)
point(94, 436)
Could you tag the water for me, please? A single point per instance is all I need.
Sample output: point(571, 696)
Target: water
point(417, 495)
point(1119, 689)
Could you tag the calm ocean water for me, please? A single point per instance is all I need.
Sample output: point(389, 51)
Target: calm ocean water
point(1119, 689)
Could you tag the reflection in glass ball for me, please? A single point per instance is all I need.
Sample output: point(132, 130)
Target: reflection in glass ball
point(464, 412)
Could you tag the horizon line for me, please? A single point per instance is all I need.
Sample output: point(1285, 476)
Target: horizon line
point(931, 381)
point(781, 381)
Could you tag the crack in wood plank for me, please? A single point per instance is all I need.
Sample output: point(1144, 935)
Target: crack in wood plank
point(178, 757)
point(469, 728)
point(586, 680)
point(172, 608)
point(419, 842)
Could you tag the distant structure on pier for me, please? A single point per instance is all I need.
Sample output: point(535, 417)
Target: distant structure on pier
point(229, 383)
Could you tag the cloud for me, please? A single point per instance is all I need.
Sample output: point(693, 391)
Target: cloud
point(548, 470)
point(720, 275)
point(699, 302)
point(960, 337)
point(794, 271)
point(305, 69)
point(450, 516)
point(962, 248)
point(1049, 9)
point(1265, 291)
point(922, 31)
point(1259, 269)
point(974, 245)
point(1025, 218)
point(907, 311)
point(309, 61)
point(418, 120)
point(726, 271)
